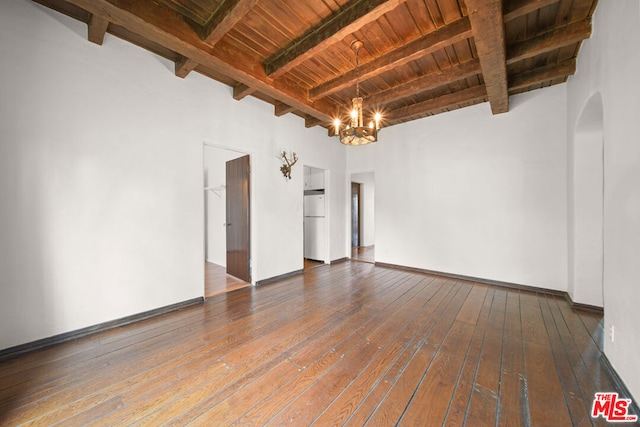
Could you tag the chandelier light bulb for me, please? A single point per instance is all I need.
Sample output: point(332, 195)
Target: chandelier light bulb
point(377, 117)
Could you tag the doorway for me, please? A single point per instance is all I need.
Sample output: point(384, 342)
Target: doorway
point(586, 206)
point(355, 215)
point(315, 218)
point(227, 219)
point(362, 217)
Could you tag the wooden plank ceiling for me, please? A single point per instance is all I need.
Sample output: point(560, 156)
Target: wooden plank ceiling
point(420, 57)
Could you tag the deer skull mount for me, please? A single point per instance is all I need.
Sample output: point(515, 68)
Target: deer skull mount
point(289, 162)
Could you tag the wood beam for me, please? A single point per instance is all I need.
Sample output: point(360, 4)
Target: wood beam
point(280, 109)
point(488, 33)
point(572, 33)
point(541, 75)
point(444, 36)
point(515, 9)
point(97, 28)
point(475, 93)
point(240, 91)
point(427, 82)
point(352, 17)
point(162, 25)
point(184, 66)
point(228, 14)
point(310, 122)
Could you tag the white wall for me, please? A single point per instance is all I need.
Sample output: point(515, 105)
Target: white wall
point(475, 194)
point(608, 65)
point(101, 173)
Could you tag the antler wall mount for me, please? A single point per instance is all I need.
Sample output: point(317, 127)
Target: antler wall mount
point(289, 161)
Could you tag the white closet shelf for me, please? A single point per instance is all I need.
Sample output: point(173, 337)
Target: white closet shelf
point(218, 189)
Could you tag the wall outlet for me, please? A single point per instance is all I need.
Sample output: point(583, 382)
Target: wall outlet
point(612, 333)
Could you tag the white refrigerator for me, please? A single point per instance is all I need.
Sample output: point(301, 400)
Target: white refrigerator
point(315, 237)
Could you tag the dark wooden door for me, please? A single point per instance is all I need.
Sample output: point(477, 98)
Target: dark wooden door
point(355, 215)
point(238, 219)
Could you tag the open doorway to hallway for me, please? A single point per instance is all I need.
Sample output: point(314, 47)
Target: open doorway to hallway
point(362, 217)
point(227, 220)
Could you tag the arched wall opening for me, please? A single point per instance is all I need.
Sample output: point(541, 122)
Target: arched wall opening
point(586, 213)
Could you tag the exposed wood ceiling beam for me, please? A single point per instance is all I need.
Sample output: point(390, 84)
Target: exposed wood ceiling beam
point(280, 109)
point(165, 27)
point(421, 109)
point(348, 20)
point(97, 28)
point(515, 9)
point(488, 33)
point(240, 91)
point(541, 75)
point(429, 43)
point(572, 33)
point(427, 82)
point(195, 39)
point(477, 93)
point(184, 66)
point(228, 14)
point(310, 122)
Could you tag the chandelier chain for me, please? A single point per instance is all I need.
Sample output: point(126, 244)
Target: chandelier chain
point(357, 72)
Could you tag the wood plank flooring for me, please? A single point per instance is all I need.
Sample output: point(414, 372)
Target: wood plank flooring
point(363, 253)
point(217, 281)
point(310, 263)
point(344, 344)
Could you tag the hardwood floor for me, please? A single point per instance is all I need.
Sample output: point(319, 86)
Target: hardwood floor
point(217, 281)
point(349, 343)
point(363, 253)
point(309, 264)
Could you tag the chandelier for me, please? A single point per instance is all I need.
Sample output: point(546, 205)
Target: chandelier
point(355, 133)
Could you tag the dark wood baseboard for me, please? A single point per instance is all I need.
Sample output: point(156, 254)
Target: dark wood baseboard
point(279, 277)
point(555, 292)
point(41, 344)
point(574, 305)
point(293, 273)
point(583, 307)
point(476, 279)
point(620, 385)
